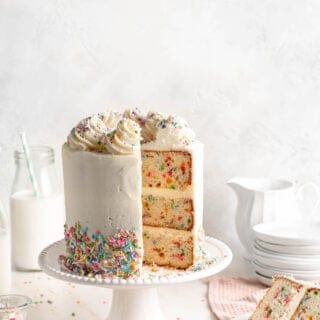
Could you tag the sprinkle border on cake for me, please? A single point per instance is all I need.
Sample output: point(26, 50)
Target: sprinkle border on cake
point(107, 256)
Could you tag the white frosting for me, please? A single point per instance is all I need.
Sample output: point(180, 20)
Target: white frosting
point(125, 139)
point(108, 196)
point(170, 131)
point(107, 133)
point(150, 127)
point(135, 115)
point(91, 133)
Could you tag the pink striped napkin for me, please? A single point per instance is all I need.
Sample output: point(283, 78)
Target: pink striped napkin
point(233, 297)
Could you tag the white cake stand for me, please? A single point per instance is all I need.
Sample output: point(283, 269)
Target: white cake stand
point(137, 298)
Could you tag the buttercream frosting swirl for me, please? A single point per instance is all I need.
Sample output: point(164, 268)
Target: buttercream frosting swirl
point(116, 133)
point(150, 127)
point(91, 133)
point(168, 131)
point(125, 139)
point(136, 115)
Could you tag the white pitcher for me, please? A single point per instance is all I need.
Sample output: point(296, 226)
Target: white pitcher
point(264, 200)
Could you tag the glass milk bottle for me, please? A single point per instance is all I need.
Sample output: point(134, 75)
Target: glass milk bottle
point(36, 219)
point(5, 253)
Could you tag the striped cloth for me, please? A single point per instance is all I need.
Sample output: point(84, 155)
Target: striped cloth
point(230, 298)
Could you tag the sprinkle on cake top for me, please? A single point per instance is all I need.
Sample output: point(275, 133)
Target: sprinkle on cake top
point(121, 133)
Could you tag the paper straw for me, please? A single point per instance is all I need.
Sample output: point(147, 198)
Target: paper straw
point(29, 164)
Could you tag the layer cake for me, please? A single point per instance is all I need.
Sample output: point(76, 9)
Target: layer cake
point(133, 191)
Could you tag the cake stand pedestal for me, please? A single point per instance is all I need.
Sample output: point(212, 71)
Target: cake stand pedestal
point(137, 298)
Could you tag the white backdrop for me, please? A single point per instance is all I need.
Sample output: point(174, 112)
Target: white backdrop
point(245, 74)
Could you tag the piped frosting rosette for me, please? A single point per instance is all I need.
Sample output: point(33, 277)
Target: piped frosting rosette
point(125, 139)
point(136, 115)
point(91, 133)
point(150, 127)
point(167, 130)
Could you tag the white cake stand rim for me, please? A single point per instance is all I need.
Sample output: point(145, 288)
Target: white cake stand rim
point(48, 262)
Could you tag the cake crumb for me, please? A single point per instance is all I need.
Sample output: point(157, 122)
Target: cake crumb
point(154, 267)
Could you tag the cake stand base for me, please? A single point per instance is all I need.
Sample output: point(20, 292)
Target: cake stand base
point(137, 298)
point(136, 304)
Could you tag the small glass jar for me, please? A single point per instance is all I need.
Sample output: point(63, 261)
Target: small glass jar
point(14, 306)
point(36, 220)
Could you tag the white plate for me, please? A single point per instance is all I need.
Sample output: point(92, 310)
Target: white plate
point(264, 251)
point(289, 249)
point(289, 233)
point(264, 279)
point(271, 272)
point(286, 261)
point(283, 263)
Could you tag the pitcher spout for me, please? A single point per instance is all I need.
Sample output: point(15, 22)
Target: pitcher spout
point(240, 183)
point(258, 184)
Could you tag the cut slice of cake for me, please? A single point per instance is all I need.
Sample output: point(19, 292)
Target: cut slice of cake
point(280, 301)
point(172, 204)
point(309, 307)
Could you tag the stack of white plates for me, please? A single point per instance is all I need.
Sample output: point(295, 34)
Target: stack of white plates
point(291, 249)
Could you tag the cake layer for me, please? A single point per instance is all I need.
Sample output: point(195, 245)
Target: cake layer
point(166, 169)
point(280, 301)
point(168, 247)
point(170, 213)
point(309, 308)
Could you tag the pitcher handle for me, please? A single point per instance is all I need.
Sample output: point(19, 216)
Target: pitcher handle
point(316, 189)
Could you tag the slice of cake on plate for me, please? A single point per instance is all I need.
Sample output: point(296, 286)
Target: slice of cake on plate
point(289, 299)
point(280, 301)
point(309, 307)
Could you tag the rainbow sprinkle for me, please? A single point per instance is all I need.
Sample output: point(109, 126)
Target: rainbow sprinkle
point(107, 256)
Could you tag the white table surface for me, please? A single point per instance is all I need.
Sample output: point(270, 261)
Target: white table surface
point(57, 300)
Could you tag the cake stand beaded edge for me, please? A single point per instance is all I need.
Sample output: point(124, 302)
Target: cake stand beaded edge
point(137, 298)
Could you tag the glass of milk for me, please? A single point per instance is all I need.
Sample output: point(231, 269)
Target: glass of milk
point(36, 221)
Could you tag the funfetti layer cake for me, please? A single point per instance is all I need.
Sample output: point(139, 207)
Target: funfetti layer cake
point(134, 188)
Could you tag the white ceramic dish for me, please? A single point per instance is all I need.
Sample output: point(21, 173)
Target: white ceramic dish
point(271, 272)
point(293, 233)
point(264, 279)
point(266, 252)
point(269, 258)
point(292, 264)
point(289, 249)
